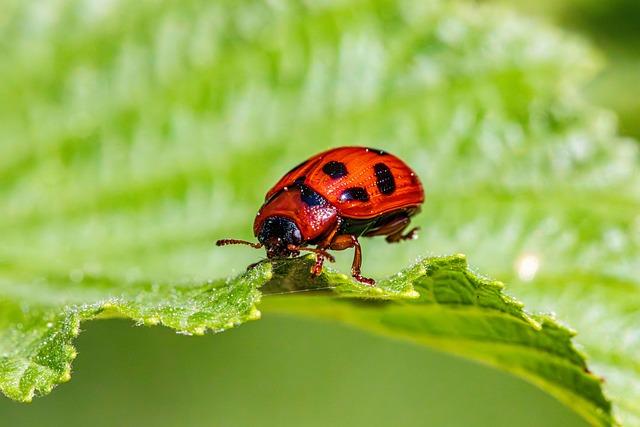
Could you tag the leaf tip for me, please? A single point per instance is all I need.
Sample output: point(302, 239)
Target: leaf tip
point(66, 375)
point(198, 330)
point(151, 321)
point(254, 314)
point(28, 397)
point(412, 293)
point(500, 285)
point(459, 257)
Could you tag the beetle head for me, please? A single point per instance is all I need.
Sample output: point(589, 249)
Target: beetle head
point(276, 234)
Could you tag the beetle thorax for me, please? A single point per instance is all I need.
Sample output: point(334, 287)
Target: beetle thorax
point(296, 216)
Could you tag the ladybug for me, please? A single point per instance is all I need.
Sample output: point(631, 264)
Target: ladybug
point(332, 199)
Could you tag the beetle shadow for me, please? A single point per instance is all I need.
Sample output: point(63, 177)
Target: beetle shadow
point(293, 275)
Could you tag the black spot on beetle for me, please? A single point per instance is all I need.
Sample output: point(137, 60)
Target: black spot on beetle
point(384, 179)
point(335, 169)
point(309, 196)
point(354, 193)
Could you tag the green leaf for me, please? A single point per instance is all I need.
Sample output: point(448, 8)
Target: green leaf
point(451, 308)
point(135, 134)
point(40, 318)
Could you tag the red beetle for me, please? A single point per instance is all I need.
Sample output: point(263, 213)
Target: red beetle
point(332, 199)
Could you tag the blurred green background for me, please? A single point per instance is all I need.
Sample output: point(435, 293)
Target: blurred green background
point(107, 165)
point(612, 26)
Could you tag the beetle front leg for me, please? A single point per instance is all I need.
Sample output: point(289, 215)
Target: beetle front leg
point(316, 270)
point(347, 241)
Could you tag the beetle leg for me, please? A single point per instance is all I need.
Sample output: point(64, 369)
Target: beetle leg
point(321, 252)
point(346, 241)
point(316, 270)
point(318, 251)
point(357, 263)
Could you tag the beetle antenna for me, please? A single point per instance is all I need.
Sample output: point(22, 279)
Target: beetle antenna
point(225, 242)
point(322, 252)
